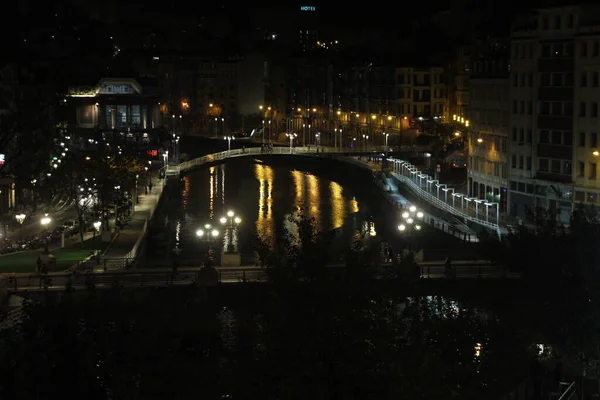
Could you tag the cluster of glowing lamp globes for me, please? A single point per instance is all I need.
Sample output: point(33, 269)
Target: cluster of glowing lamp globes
point(410, 217)
point(210, 232)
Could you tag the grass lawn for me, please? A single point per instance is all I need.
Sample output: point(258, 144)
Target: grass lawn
point(25, 261)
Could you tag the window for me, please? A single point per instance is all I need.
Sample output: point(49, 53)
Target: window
point(515, 79)
point(595, 79)
point(557, 79)
point(513, 162)
point(544, 79)
point(514, 134)
point(567, 168)
point(521, 135)
point(557, 109)
point(545, 23)
point(569, 79)
point(556, 137)
point(522, 107)
point(568, 109)
point(557, 22)
point(529, 136)
point(544, 165)
point(570, 21)
point(545, 108)
point(529, 107)
point(595, 49)
point(581, 139)
point(556, 166)
point(594, 109)
point(582, 109)
point(515, 107)
point(544, 137)
point(592, 171)
point(528, 164)
point(581, 169)
point(567, 138)
point(594, 140)
point(583, 79)
point(583, 49)
point(546, 50)
point(521, 162)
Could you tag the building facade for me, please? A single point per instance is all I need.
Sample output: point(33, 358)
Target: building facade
point(489, 116)
point(555, 62)
point(460, 81)
point(230, 89)
point(114, 106)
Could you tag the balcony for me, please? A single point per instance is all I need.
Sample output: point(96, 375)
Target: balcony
point(556, 94)
point(556, 64)
point(556, 152)
point(552, 122)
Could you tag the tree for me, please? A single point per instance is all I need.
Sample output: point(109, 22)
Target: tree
point(27, 123)
point(300, 249)
point(89, 179)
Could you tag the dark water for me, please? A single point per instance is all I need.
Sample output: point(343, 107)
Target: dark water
point(261, 194)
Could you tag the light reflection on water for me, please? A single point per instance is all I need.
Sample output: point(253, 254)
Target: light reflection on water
point(261, 195)
point(264, 220)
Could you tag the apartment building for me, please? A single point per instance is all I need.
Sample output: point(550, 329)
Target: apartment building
point(421, 93)
point(489, 122)
point(555, 61)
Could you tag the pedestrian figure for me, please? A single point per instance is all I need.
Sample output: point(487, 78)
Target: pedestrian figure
point(38, 264)
point(150, 187)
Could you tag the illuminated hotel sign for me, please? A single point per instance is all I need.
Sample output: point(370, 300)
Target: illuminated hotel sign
point(308, 8)
point(2, 158)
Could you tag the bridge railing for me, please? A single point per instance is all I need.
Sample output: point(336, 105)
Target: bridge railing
point(445, 198)
point(308, 150)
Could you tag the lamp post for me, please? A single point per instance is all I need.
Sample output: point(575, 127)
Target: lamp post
point(166, 158)
point(386, 136)
point(318, 139)
point(135, 192)
point(411, 222)
point(208, 233)
point(292, 136)
point(97, 226)
point(45, 221)
point(229, 139)
point(20, 218)
point(233, 221)
point(223, 126)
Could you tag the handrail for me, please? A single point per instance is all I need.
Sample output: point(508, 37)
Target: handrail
point(418, 190)
point(569, 391)
point(184, 166)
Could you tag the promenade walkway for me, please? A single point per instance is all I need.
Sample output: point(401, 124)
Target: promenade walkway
point(125, 246)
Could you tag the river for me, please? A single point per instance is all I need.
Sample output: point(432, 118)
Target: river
point(261, 193)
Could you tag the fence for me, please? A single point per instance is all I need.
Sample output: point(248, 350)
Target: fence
point(432, 221)
point(176, 169)
point(408, 175)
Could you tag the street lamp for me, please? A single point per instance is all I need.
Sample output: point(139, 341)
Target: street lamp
point(207, 233)
point(165, 158)
point(45, 222)
point(411, 222)
point(292, 136)
point(20, 218)
point(97, 225)
point(229, 139)
point(233, 220)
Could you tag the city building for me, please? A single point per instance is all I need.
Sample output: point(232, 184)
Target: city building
point(555, 66)
point(459, 81)
point(229, 89)
point(489, 116)
point(114, 106)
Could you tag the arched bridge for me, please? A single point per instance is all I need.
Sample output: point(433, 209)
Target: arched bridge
point(462, 208)
point(176, 170)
